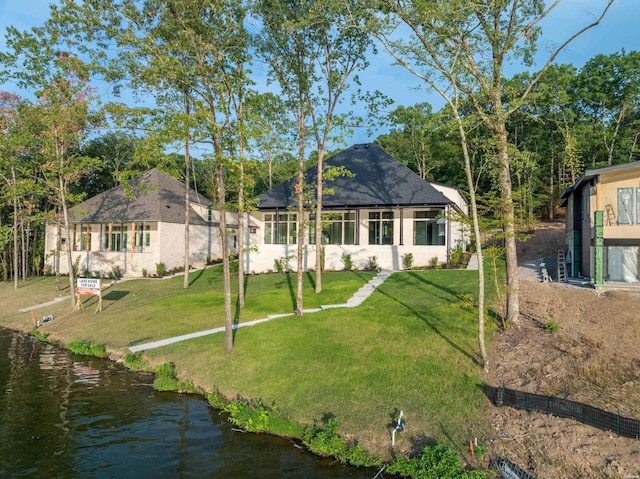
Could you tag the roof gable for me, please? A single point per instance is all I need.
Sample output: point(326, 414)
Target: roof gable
point(379, 180)
point(157, 196)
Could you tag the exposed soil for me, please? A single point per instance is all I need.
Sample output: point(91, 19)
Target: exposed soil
point(594, 359)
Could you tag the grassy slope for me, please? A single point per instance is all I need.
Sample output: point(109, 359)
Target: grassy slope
point(412, 346)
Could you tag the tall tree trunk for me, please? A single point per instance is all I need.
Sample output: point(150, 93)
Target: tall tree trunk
point(300, 212)
point(67, 227)
point(318, 225)
point(222, 205)
point(15, 231)
point(187, 199)
point(241, 227)
point(478, 238)
point(513, 284)
point(5, 265)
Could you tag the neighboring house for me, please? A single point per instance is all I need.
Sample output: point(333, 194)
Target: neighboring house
point(384, 211)
point(603, 224)
point(136, 229)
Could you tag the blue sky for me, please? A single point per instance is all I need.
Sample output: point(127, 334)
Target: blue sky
point(618, 30)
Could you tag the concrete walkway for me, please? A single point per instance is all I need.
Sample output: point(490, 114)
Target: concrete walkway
point(44, 305)
point(356, 300)
point(473, 262)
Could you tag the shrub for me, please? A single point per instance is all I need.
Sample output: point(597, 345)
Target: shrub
point(433, 262)
point(38, 335)
point(86, 348)
point(167, 380)
point(407, 261)
point(145, 273)
point(372, 263)
point(115, 273)
point(86, 273)
point(324, 440)
point(135, 362)
point(347, 262)
point(161, 269)
point(456, 257)
point(76, 266)
point(281, 265)
point(435, 462)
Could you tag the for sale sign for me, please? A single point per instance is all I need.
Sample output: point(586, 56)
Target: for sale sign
point(88, 287)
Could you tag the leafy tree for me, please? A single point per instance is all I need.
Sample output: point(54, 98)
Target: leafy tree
point(461, 47)
point(314, 57)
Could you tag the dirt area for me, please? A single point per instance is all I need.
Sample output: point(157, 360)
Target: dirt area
point(594, 358)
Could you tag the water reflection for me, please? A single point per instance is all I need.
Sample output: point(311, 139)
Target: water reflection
point(64, 416)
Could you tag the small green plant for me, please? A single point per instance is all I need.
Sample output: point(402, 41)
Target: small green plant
point(467, 300)
point(85, 348)
point(347, 262)
point(135, 362)
point(324, 440)
point(167, 380)
point(551, 326)
point(281, 265)
point(433, 262)
point(456, 257)
point(145, 273)
point(435, 462)
point(372, 263)
point(407, 261)
point(86, 273)
point(161, 269)
point(115, 273)
point(76, 266)
point(39, 336)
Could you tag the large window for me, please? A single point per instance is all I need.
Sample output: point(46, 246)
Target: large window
point(381, 227)
point(143, 236)
point(428, 228)
point(625, 206)
point(280, 228)
point(337, 228)
point(115, 239)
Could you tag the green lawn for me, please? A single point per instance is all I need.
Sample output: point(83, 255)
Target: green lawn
point(412, 346)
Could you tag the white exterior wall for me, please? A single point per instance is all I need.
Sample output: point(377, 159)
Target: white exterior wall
point(166, 246)
point(262, 256)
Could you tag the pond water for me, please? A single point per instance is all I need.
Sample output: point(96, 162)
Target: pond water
point(66, 416)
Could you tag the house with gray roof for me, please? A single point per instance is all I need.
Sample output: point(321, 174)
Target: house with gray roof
point(380, 210)
point(138, 227)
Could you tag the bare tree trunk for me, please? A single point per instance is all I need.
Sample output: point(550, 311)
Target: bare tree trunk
point(67, 227)
point(57, 255)
point(551, 176)
point(318, 225)
point(476, 233)
point(5, 276)
point(222, 205)
point(241, 200)
point(300, 212)
point(187, 199)
point(513, 284)
point(15, 231)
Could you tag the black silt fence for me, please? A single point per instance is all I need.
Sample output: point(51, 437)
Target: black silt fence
point(507, 469)
point(599, 418)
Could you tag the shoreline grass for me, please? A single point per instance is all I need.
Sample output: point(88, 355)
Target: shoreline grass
point(411, 346)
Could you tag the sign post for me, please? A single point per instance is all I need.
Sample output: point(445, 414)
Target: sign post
point(88, 287)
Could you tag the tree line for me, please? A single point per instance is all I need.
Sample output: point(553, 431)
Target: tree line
point(513, 142)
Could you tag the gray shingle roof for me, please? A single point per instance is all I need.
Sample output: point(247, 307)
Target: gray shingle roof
point(157, 196)
point(380, 180)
